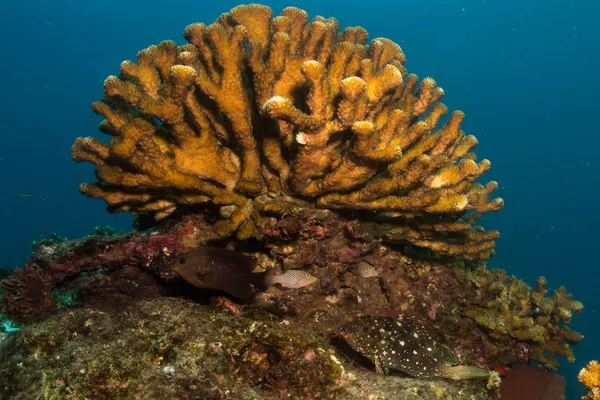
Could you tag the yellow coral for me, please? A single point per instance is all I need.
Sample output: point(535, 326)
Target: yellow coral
point(508, 307)
point(590, 377)
point(259, 105)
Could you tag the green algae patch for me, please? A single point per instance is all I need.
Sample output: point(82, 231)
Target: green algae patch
point(167, 348)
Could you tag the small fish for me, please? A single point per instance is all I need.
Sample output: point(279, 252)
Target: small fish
point(291, 279)
point(25, 194)
point(44, 198)
point(406, 346)
point(367, 270)
point(232, 272)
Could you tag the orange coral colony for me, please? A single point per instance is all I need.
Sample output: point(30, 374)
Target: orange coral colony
point(257, 110)
point(590, 377)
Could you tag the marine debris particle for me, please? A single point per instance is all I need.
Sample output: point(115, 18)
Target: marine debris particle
point(405, 345)
point(232, 272)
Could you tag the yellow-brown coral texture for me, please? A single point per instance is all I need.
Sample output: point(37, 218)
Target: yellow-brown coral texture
point(590, 377)
point(257, 106)
point(507, 308)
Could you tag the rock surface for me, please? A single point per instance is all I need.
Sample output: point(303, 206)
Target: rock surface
point(171, 348)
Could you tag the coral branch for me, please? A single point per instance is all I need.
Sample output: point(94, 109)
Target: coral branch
point(257, 104)
point(590, 377)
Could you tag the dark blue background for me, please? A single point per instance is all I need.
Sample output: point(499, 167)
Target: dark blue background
point(525, 73)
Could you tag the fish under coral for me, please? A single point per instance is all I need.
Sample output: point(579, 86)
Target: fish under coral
point(232, 272)
point(406, 346)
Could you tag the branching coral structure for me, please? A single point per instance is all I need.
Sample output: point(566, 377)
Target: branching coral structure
point(507, 307)
point(590, 377)
point(257, 109)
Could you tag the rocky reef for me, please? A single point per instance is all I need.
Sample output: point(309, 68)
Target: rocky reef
point(356, 276)
point(172, 348)
point(307, 149)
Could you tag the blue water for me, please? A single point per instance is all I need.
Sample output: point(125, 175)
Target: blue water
point(525, 73)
